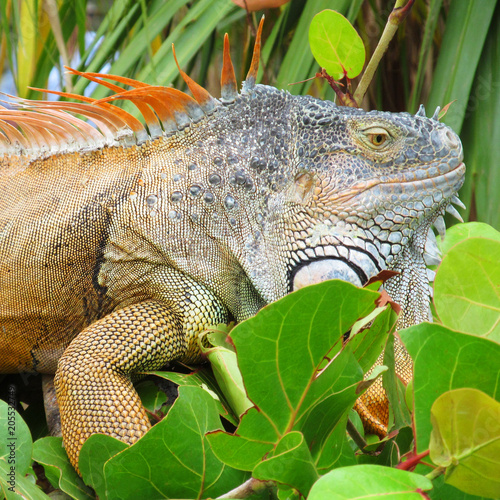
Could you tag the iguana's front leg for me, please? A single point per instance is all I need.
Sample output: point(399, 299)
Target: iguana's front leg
point(93, 385)
point(373, 405)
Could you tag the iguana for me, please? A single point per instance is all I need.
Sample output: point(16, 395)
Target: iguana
point(120, 244)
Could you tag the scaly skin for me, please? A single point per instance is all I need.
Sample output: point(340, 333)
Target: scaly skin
point(113, 259)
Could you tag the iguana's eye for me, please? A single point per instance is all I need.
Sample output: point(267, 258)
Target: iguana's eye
point(377, 136)
point(378, 139)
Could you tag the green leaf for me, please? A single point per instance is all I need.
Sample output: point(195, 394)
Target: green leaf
point(336, 450)
point(467, 288)
point(204, 379)
point(16, 444)
point(298, 60)
point(466, 28)
point(444, 360)
point(49, 452)
point(290, 338)
point(394, 387)
point(286, 493)
point(459, 232)
point(174, 459)
point(291, 464)
point(151, 396)
point(390, 454)
point(95, 452)
point(335, 45)
point(466, 440)
point(368, 344)
point(331, 395)
point(369, 482)
point(19, 487)
point(225, 367)
point(255, 437)
point(218, 336)
point(445, 491)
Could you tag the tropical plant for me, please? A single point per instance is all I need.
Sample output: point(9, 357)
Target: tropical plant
point(292, 443)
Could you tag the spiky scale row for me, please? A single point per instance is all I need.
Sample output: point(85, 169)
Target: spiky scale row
point(251, 78)
point(40, 125)
point(228, 84)
point(202, 96)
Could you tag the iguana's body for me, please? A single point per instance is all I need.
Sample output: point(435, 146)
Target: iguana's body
point(116, 257)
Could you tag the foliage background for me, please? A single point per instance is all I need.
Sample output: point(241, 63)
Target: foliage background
point(446, 50)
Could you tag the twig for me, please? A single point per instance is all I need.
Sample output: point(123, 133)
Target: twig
point(396, 17)
point(344, 98)
point(355, 435)
point(438, 471)
point(413, 461)
point(248, 488)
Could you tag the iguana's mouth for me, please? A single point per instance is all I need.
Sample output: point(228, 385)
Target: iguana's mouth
point(444, 184)
point(438, 178)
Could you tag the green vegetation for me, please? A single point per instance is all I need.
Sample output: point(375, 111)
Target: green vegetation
point(293, 442)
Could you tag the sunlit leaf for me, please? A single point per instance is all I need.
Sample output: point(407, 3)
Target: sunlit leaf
point(336, 46)
point(444, 360)
point(298, 61)
point(460, 232)
point(466, 440)
point(369, 482)
point(467, 288)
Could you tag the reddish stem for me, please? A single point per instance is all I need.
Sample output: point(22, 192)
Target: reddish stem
point(345, 99)
point(413, 461)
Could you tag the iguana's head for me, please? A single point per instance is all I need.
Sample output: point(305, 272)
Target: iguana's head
point(367, 187)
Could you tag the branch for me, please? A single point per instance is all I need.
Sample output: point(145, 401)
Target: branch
point(248, 488)
point(396, 17)
point(355, 435)
point(438, 471)
point(413, 461)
